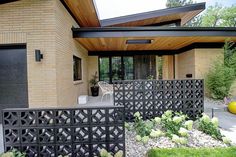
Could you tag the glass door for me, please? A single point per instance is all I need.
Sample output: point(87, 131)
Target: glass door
point(116, 68)
point(128, 67)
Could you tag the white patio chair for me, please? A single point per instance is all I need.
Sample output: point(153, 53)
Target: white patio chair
point(106, 89)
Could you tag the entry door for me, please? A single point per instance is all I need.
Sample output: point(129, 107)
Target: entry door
point(13, 77)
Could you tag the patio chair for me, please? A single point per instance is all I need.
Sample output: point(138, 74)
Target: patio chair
point(106, 89)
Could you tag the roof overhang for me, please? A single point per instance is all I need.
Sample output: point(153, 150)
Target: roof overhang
point(83, 11)
point(183, 13)
point(86, 15)
point(168, 38)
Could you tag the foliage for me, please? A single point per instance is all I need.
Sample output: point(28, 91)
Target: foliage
point(215, 16)
point(209, 126)
point(160, 67)
point(94, 80)
point(142, 128)
point(177, 3)
point(172, 123)
point(192, 152)
point(220, 79)
point(150, 77)
point(212, 16)
point(13, 153)
point(104, 153)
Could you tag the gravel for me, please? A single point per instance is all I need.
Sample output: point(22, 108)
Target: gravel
point(196, 139)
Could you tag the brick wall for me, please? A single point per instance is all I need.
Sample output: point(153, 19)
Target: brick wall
point(45, 25)
point(185, 64)
point(66, 47)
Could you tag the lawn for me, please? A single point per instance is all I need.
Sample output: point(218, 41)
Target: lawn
point(193, 152)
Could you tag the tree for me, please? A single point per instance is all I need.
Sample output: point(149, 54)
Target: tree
point(213, 16)
point(229, 16)
point(177, 3)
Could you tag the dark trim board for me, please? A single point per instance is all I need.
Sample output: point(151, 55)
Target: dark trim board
point(152, 14)
point(13, 46)
point(112, 32)
point(156, 52)
point(176, 22)
point(7, 1)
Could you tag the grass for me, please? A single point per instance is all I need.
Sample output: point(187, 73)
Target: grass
point(193, 152)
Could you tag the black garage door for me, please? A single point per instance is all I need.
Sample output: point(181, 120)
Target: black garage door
point(13, 77)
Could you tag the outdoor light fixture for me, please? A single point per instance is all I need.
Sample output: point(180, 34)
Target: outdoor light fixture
point(139, 41)
point(38, 56)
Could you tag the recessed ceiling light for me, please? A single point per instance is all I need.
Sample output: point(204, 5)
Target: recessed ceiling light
point(139, 41)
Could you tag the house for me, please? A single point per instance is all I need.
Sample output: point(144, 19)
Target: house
point(50, 48)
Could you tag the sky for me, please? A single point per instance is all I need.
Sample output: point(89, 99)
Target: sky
point(114, 8)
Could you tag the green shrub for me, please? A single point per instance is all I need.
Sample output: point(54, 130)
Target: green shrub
point(104, 153)
point(142, 128)
point(222, 75)
point(219, 80)
point(13, 153)
point(209, 126)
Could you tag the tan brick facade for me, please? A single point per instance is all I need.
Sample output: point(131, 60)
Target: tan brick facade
point(196, 62)
point(45, 25)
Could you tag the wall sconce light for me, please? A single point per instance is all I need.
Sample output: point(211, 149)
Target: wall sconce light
point(38, 56)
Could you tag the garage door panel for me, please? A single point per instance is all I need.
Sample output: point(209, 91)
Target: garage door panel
point(13, 93)
point(13, 66)
point(13, 78)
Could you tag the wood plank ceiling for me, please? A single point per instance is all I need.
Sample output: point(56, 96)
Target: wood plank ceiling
point(84, 11)
point(159, 43)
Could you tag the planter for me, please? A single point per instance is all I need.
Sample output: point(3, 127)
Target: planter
point(95, 90)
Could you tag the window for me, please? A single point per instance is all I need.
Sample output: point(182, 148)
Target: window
point(77, 68)
point(116, 68)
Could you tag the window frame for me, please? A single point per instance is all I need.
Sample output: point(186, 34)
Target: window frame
point(77, 61)
point(110, 65)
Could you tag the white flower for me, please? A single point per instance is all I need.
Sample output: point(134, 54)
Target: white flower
point(183, 132)
point(175, 138)
point(215, 121)
point(226, 140)
point(183, 140)
point(168, 112)
point(145, 139)
point(136, 114)
point(177, 119)
point(138, 138)
point(189, 124)
point(156, 133)
point(103, 152)
point(157, 120)
point(205, 118)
